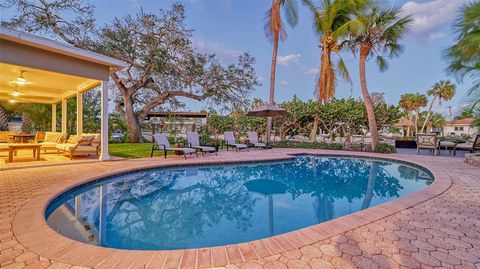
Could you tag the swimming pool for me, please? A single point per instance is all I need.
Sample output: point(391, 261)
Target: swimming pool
point(211, 205)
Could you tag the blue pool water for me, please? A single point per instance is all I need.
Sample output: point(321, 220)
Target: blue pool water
point(211, 205)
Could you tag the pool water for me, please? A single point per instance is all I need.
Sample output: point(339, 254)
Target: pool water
point(211, 205)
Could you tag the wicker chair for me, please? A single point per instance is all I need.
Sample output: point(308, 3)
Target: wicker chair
point(428, 141)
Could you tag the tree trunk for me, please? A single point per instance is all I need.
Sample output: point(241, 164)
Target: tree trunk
point(3, 118)
point(133, 125)
point(324, 92)
point(271, 96)
point(416, 121)
point(372, 123)
point(428, 114)
point(313, 134)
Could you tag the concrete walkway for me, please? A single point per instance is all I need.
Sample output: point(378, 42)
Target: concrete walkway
point(441, 232)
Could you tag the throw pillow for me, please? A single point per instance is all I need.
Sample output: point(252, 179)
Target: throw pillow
point(86, 140)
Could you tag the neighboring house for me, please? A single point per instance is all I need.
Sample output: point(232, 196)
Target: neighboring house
point(458, 127)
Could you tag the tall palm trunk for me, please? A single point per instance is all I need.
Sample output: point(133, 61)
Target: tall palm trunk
point(3, 118)
point(372, 123)
point(324, 85)
point(271, 97)
point(416, 120)
point(428, 114)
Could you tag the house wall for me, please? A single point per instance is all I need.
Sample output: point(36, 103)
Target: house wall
point(457, 129)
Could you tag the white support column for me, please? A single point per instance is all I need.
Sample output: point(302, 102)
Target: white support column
point(104, 122)
point(79, 113)
point(54, 117)
point(64, 115)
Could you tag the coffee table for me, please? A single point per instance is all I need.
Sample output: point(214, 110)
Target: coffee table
point(12, 149)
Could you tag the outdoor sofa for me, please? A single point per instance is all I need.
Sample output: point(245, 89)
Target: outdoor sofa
point(84, 144)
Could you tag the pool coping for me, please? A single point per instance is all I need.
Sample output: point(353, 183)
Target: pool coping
point(32, 231)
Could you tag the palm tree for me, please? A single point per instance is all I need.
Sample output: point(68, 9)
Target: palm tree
point(419, 101)
point(443, 90)
point(464, 56)
point(275, 31)
point(407, 104)
point(332, 22)
point(382, 31)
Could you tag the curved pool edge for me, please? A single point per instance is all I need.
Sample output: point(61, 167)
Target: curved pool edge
point(31, 229)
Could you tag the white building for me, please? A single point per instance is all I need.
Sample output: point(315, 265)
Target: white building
point(459, 127)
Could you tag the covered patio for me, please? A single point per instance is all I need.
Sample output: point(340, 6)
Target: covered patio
point(38, 70)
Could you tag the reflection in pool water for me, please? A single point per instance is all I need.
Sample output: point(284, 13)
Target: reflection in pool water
point(201, 206)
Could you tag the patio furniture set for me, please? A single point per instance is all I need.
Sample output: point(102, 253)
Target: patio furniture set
point(84, 144)
point(431, 142)
point(194, 146)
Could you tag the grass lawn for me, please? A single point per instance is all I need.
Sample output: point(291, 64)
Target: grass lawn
point(132, 151)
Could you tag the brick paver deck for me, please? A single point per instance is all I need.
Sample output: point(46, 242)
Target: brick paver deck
point(416, 232)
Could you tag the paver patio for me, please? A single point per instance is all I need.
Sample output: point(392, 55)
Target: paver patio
point(442, 232)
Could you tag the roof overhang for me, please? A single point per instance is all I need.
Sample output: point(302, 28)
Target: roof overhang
point(54, 70)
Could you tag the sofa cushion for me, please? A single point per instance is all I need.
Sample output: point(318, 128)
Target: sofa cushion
point(73, 139)
point(48, 144)
point(96, 139)
point(56, 137)
point(65, 146)
point(86, 140)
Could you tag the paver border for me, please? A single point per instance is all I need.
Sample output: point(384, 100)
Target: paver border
point(32, 231)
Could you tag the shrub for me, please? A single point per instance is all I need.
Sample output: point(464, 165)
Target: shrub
point(314, 145)
point(385, 148)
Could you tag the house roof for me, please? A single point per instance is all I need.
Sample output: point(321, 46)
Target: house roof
point(58, 47)
point(466, 121)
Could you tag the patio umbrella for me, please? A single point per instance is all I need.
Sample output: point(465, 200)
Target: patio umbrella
point(267, 187)
point(267, 110)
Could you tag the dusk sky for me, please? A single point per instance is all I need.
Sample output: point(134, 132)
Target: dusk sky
point(230, 27)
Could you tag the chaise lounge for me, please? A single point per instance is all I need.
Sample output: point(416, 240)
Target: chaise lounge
point(253, 140)
point(230, 141)
point(472, 145)
point(161, 143)
point(194, 142)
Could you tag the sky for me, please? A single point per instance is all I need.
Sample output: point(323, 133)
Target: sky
point(231, 27)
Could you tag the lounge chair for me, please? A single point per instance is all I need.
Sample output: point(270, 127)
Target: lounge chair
point(194, 142)
point(230, 141)
point(428, 141)
point(253, 140)
point(472, 145)
point(161, 143)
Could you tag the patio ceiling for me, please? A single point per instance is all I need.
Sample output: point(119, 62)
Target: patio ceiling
point(42, 86)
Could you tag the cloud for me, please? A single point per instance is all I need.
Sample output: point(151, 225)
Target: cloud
point(288, 59)
point(311, 72)
point(428, 17)
point(224, 54)
point(284, 83)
